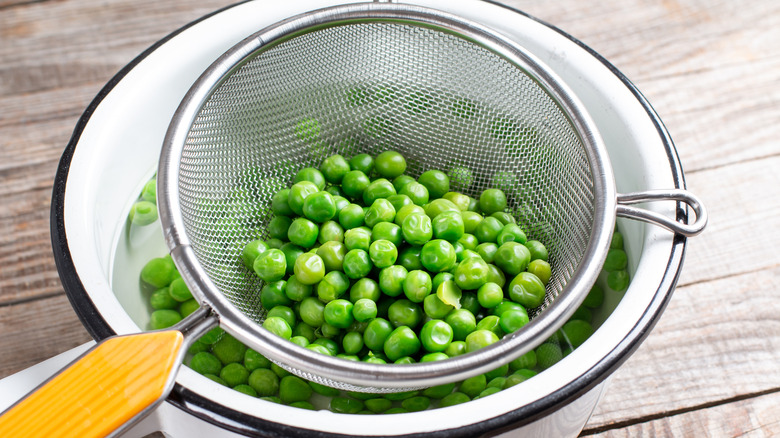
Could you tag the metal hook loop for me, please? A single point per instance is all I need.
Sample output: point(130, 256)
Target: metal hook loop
point(691, 229)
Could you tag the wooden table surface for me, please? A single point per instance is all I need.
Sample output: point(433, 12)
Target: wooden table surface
point(711, 68)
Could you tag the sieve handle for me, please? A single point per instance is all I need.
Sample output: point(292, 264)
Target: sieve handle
point(625, 210)
point(104, 390)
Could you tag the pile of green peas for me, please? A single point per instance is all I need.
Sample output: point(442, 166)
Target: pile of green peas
point(394, 304)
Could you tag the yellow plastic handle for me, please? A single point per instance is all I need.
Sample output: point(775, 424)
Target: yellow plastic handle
point(99, 392)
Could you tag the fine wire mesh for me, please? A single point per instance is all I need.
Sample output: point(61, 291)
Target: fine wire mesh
point(442, 101)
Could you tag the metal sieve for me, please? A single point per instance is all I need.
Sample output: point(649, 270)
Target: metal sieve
point(446, 93)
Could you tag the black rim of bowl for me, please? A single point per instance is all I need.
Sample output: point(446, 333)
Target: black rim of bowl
point(235, 421)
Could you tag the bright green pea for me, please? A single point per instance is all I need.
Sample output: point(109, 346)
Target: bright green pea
point(333, 254)
point(487, 251)
point(496, 275)
point(311, 311)
point(617, 240)
point(473, 385)
point(278, 326)
point(291, 252)
point(389, 164)
point(400, 181)
point(512, 258)
point(435, 308)
point(403, 341)
point(205, 363)
point(618, 280)
point(617, 260)
point(357, 264)
point(438, 255)
point(319, 348)
point(164, 318)
point(416, 404)
point(254, 360)
point(312, 175)
point(303, 232)
point(358, 238)
point(212, 336)
point(362, 162)
point(491, 323)
point(576, 331)
point(436, 181)
point(513, 319)
point(462, 322)
point(471, 273)
point(271, 265)
point(453, 399)
point(355, 183)
point(448, 225)
point(309, 268)
point(338, 313)
point(159, 272)
point(416, 192)
point(504, 217)
point(228, 349)
point(274, 243)
point(295, 290)
point(383, 253)
point(439, 206)
point(417, 229)
point(456, 348)
point(284, 312)
point(304, 330)
point(251, 251)
point(387, 231)
point(264, 381)
point(376, 333)
point(470, 221)
point(319, 207)
point(527, 289)
point(278, 226)
point(280, 205)
point(490, 295)
point(541, 269)
point(409, 258)
point(378, 405)
point(378, 189)
point(399, 201)
point(332, 286)
point(334, 168)
point(468, 241)
point(479, 339)
point(186, 308)
point(417, 285)
point(513, 233)
point(436, 335)
point(234, 374)
point(143, 213)
point(162, 299)
point(351, 216)
point(440, 278)
point(488, 230)
point(405, 211)
point(298, 194)
point(391, 280)
point(364, 310)
point(381, 210)
point(404, 312)
point(459, 199)
point(492, 200)
point(352, 343)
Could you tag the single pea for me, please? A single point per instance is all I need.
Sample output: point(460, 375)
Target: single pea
point(319, 207)
point(513, 319)
point(576, 331)
point(234, 374)
point(404, 312)
point(527, 289)
point(383, 253)
point(405, 211)
point(456, 348)
point(332, 286)
point(274, 243)
point(491, 323)
point(376, 333)
point(490, 295)
point(471, 273)
point(381, 210)
point(416, 192)
point(618, 280)
point(278, 227)
point(291, 252)
point(205, 363)
point(254, 360)
point(295, 290)
point(164, 318)
point(468, 254)
point(488, 230)
point(334, 168)
point(212, 336)
point(513, 233)
point(387, 231)
point(143, 213)
point(251, 251)
point(528, 360)
point(398, 201)
point(504, 217)
point(492, 200)
point(436, 335)
point(391, 280)
point(400, 181)
point(159, 272)
point(439, 391)
point(284, 312)
point(458, 199)
point(409, 258)
point(294, 389)
point(378, 405)
point(496, 275)
point(338, 313)
point(417, 285)
point(594, 298)
point(440, 278)
point(436, 181)
point(435, 308)
point(321, 389)
point(479, 339)
point(541, 269)
point(378, 189)
point(309, 268)
point(312, 175)
point(473, 385)
point(280, 203)
point(149, 192)
point(439, 206)
point(344, 405)
point(617, 260)
point(364, 310)
point(333, 254)
point(416, 404)
point(362, 162)
point(358, 238)
point(417, 229)
point(512, 258)
point(448, 225)
point(453, 399)
point(487, 251)
point(162, 299)
point(351, 216)
point(228, 349)
point(264, 381)
point(319, 348)
point(548, 354)
point(338, 198)
point(355, 183)
point(357, 264)
point(298, 194)
point(278, 326)
point(537, 249)
point(438, 255)
point(390, 164)
point(617, 240)
point(352, 342)
point(271, 265)
point(470, 221)
point(403, 341)
point(303, 232)
point(188, 307)
point(468, 241)
point(462, 321)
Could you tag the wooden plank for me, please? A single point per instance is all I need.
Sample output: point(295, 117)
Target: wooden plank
point(716, 341)
point(755, 417)
point(37, 330)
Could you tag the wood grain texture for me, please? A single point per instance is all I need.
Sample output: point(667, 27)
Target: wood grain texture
point(710, 68)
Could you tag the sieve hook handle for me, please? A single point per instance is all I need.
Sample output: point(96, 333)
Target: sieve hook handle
point(624, 209)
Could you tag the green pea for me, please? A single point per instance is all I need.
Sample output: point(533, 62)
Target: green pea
point(332, 286)
point(351, 216)
point(378, 189)
point(364, 310)
point(459, 199)
point(453, 399)
point(271, 265)
point(473, 385)
point(215, 379)
point(618, 280)
point(278, 227)
point(143, 213)
point(436, 181)
point(527, 289)
point(617, 241)
point(490, 295)
point(417, 229)
point(470, 221)
point(400, 181)
point(357, 264)
point(344, 405)
point(436, 335)
point(319, 348)
point(389, 164)
point(387, 231)
point(254, 360)
point(309, 268)
point(264, 381)
point(338, 313)
point(448, 225)
point(251, 251)
point(456, 348)
point(278, 326)
point(404, 312)
point(435, 308)
point(352, 342)
point(416, 404)
point(513, 319)
point(439, 206)
point(471, 273)
point(319, 207)
point(234, 374)
point(496, 275)
point(504, 217)
point(284, 312)
point(398, 201)
point(487, 251)
point(383, 253)
point(449, 293)
point(576, 331)
point(162, 299)
point(417, 285)
point(164, 318)
point(405, 211)
point(492, 200)
point(409, 258)
point(365, 288)
point(462, 321)
point(513, 233)
point(617, 260)
point(512, 258)
point(548, 354)
point(440, 278)
point(358, 238)
point(391, 280)
point(321, 389)
point(416, 192)
point(377, 331)
point(595, 297)
point(280, 203)
point(303, 232)
point(489, 229)
point(355, 183)
point(212, 336)
point(228, 349)
point(402, 342)
point(378, 405)
point(468, 241)
point(205, 363)
point(298, 194)
point(491, 323)
point(438, 255)
point(274, 243)
point(381, 210)
point(159, 272)
point(479, 339)
point(334, 168)
point(312, 175)
point(274, 294)
point(362, 162)
point(332, 254)
point(541, 269)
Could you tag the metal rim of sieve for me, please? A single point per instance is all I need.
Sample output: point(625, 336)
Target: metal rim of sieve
point(358, 375)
